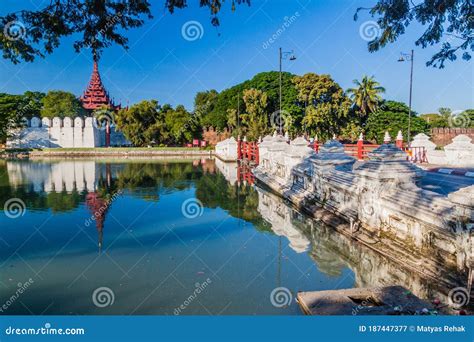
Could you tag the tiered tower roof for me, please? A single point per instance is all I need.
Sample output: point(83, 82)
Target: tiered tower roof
point(95, 94)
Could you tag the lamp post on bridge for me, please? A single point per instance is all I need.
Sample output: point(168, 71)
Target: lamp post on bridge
point(409, 57)
point(283, 55)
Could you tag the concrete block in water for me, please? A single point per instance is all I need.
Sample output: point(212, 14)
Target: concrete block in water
point(390, 300)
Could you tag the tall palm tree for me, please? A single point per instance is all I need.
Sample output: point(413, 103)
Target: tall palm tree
point(366, 95)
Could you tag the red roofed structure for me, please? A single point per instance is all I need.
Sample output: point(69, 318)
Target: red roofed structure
point(95, 96)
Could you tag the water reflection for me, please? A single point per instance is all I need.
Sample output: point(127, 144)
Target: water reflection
point(247, 241)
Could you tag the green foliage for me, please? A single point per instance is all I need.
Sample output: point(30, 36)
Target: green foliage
point(351, 129)
point(446, 118)
point(449, 20)
point(232, 99)
point(205, 108)
point(32, 102)
point(148, 123)
point(255, 119)
point(392, 116)
point(61, 104)
point(214, 191)
point(181, 125)
point(142, 123)
point(94, 24)
point(468, 114)
point(435, 120)
point(15, 107)
point(326, 104)
point(366, 95)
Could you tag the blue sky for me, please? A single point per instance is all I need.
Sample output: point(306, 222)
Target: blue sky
point(162, 65)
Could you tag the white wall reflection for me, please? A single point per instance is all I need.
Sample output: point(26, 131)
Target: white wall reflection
point(69, 176)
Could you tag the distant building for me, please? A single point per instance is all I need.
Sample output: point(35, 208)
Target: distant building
point(74, 132)
point(96, 96)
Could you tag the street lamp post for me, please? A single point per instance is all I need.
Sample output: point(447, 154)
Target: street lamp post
point(409, 57)
point(283, 55)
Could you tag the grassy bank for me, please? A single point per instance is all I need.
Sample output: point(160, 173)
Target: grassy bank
point(107, 151)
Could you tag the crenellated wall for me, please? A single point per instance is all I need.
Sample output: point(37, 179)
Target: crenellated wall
point(445, 136)
point(67, 133)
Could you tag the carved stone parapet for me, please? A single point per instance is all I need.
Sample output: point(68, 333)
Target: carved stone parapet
point(330, 155)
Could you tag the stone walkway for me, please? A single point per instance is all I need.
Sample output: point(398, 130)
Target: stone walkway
point(467, 172)
point(444, 183)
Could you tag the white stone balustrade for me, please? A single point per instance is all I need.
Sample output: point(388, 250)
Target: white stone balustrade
point(379, 195)
point(226, 149)
point(459, 153)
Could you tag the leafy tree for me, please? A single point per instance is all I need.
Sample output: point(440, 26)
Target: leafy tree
point(392, 116)
point(179, 124)
point(104, 116)
point(148, 123)
point(32, 103)
point(255, 118)
point(268, 82)
point(232, 118)
point(469, 115)
point(443, 119)
point(9, 114)
point(61, 104)
point(326, 104)
point(205, 103)
point(366, 95)
point(447, 21)
point(461, 119)
point(96, 24)
point(435, 120)
point(142, 123)
point(445, 112)
point(351, 129)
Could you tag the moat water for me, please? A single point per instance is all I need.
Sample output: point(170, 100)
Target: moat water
point(166, 237)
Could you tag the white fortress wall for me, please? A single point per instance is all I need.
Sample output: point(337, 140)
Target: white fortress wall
point(90, 134)
point(63, 132)
point(78, 132)
point(67, 133)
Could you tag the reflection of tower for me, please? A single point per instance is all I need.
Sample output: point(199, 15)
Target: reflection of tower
point(99, 207)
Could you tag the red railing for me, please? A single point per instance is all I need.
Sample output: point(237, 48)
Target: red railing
point(361, 150)
point(248, 151)
point(244, 174)
point(416, 154)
